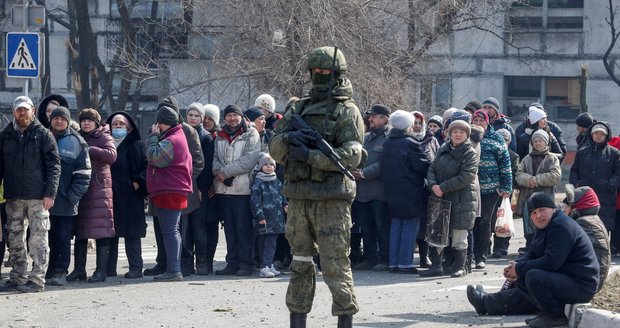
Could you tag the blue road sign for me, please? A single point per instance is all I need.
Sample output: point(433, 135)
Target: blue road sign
point(22, 55)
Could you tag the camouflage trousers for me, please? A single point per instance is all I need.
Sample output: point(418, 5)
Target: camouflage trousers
point(320, 227)
point(24, 214)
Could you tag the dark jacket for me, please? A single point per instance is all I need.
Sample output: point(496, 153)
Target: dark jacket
point(267, 203)
point(95, 218)
point(371, 187)
point(272, 120)
point(41, 109)
point(75, 172)
point(562, 247)
point(524, 134)
point(205, 178)
point(502, 123)
point(514, 165)
point(454, 170)
point(598, 166)
point(404, 166)
point(30, 165)
point(129, 167)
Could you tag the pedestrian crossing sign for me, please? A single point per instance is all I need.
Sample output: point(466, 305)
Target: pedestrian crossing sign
point(23, 55)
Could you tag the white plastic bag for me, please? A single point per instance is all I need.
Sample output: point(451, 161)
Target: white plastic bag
point(505, 225)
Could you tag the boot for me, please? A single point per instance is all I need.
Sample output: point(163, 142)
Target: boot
point(458, 268)
point(187, 266)
point(298, 320)
point(210, 265)
point(103, 254)
point(436, 269)
point(201, 266)
point(79, 259)
point(345, 321)
point(425, 262)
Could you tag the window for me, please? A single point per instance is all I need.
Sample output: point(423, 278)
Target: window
point(561, 97)
point(538, 15)
point(434, 95)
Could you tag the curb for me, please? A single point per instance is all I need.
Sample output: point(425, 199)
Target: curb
point(584, 316)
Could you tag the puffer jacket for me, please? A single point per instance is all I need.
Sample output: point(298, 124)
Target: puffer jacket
point(454, 170)
point(236, 158)
point(267, 202)
point(598, 166)
point(547, 176)
point(95, 217)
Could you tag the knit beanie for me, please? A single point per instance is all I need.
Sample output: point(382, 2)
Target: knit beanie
point(233, 109)
point(213, 112)
point(599, 127)
point(506, 134)
point(462, 115)
point(537, 105)
point(380, 110)
point(539, 200)
point(61, 111)
point(542, 134)
point(437, 120)
point(266, 101)
point(483, 114)
point(473, 106)
point(447, 115)
point(198, 108)
point(461, 125)
point(90, 114)
point(266, 160)
point(584, 120)
point(171, 102)
point(253, 113)
point(491, 101)
point(401, 119)
point(167, 116)
point(535, 114)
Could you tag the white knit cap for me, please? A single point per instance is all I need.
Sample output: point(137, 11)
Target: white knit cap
point(267, 102)
point(401, 119)
point(213, 112)
point(535, 114)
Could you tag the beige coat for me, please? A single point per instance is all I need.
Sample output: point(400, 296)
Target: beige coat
point(548, 175)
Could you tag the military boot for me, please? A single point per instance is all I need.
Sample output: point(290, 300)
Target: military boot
point(79, 262)
point(436, 269)
point(103, 253)
point(298, 320)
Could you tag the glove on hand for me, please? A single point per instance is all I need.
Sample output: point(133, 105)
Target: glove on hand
point(303, 136)
point(298, 152)
point(228, 181)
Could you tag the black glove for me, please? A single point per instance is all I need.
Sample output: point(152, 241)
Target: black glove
point(228, 181)
point(298, 152)
point(303, 136)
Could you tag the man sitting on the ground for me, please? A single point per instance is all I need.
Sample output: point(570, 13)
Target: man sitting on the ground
point(560, 268)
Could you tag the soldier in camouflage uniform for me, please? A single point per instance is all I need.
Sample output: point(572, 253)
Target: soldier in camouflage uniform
point(320, 195)
point(30, 168)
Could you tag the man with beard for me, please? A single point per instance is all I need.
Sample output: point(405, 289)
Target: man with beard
point(30, 168)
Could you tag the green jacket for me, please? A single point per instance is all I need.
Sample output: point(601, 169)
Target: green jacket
point(343, 128)
point(454, 170)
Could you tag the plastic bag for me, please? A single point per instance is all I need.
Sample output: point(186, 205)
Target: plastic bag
point(505, 225)
point(437, 222)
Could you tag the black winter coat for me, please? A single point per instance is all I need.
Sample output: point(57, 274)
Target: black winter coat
point(524, 134)
point(30, 164)
point(404, 167)
point(130, 167)
point(598, 166)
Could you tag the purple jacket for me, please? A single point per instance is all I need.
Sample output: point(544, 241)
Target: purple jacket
point(95, 217)
point(170, 163)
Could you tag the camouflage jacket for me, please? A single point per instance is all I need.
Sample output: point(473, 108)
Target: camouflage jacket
point(342, 127)
point(267, 202)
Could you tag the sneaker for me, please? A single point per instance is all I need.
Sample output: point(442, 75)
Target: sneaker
point(227, 271)
point(274, 270)
point(245, 272)
point(30, 287)
point(266, 272)
point(8, 286)
point(168, 276)
point(480, 265)
point(59, 279)
point(380, 267)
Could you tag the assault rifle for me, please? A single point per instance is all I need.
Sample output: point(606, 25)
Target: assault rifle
point(299, 124)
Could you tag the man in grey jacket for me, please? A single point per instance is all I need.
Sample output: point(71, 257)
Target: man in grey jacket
point(370, 207)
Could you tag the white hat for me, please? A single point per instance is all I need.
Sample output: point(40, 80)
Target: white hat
point(22, 101)
point(267, 102)
point(535, 114)
point(401, 119)
point(196, 106)
point(213, 112)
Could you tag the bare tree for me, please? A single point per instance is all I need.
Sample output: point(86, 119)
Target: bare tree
point(609, 61)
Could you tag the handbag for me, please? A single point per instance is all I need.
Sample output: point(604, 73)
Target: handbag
point(437, 222)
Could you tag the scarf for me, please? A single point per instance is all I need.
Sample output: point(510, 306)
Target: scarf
point(266, 177)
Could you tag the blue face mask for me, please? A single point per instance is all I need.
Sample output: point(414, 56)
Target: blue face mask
point(119, 132)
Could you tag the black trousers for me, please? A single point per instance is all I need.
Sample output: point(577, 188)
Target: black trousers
point(133, 250)
point(509, 302)
point(238, 230)
point(59, 240)
point(482, 226)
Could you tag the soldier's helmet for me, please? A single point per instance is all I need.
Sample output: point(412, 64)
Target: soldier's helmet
point(322, 58)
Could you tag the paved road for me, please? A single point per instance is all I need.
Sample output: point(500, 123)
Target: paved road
point(386, 300)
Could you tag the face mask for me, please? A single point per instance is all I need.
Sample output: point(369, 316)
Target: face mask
point(320, 79)
point(119, 132)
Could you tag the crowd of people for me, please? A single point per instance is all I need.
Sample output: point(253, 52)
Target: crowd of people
point(90, 180)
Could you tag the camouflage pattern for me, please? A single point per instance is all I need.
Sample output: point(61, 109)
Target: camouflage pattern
point(323, 227)
point(323, 58)
point(24, 214)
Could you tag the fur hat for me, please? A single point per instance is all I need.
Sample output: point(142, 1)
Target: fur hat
point(253, 113)
point(535, 114)
point(401, 119)
point(213, 112)
point(61, 111)
point(167, 116)
point(266, 101)
point(539, 200)
point(542, 134)
point(198, 108)
point(90, 114)
point(584, 120)
point(460, 125)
